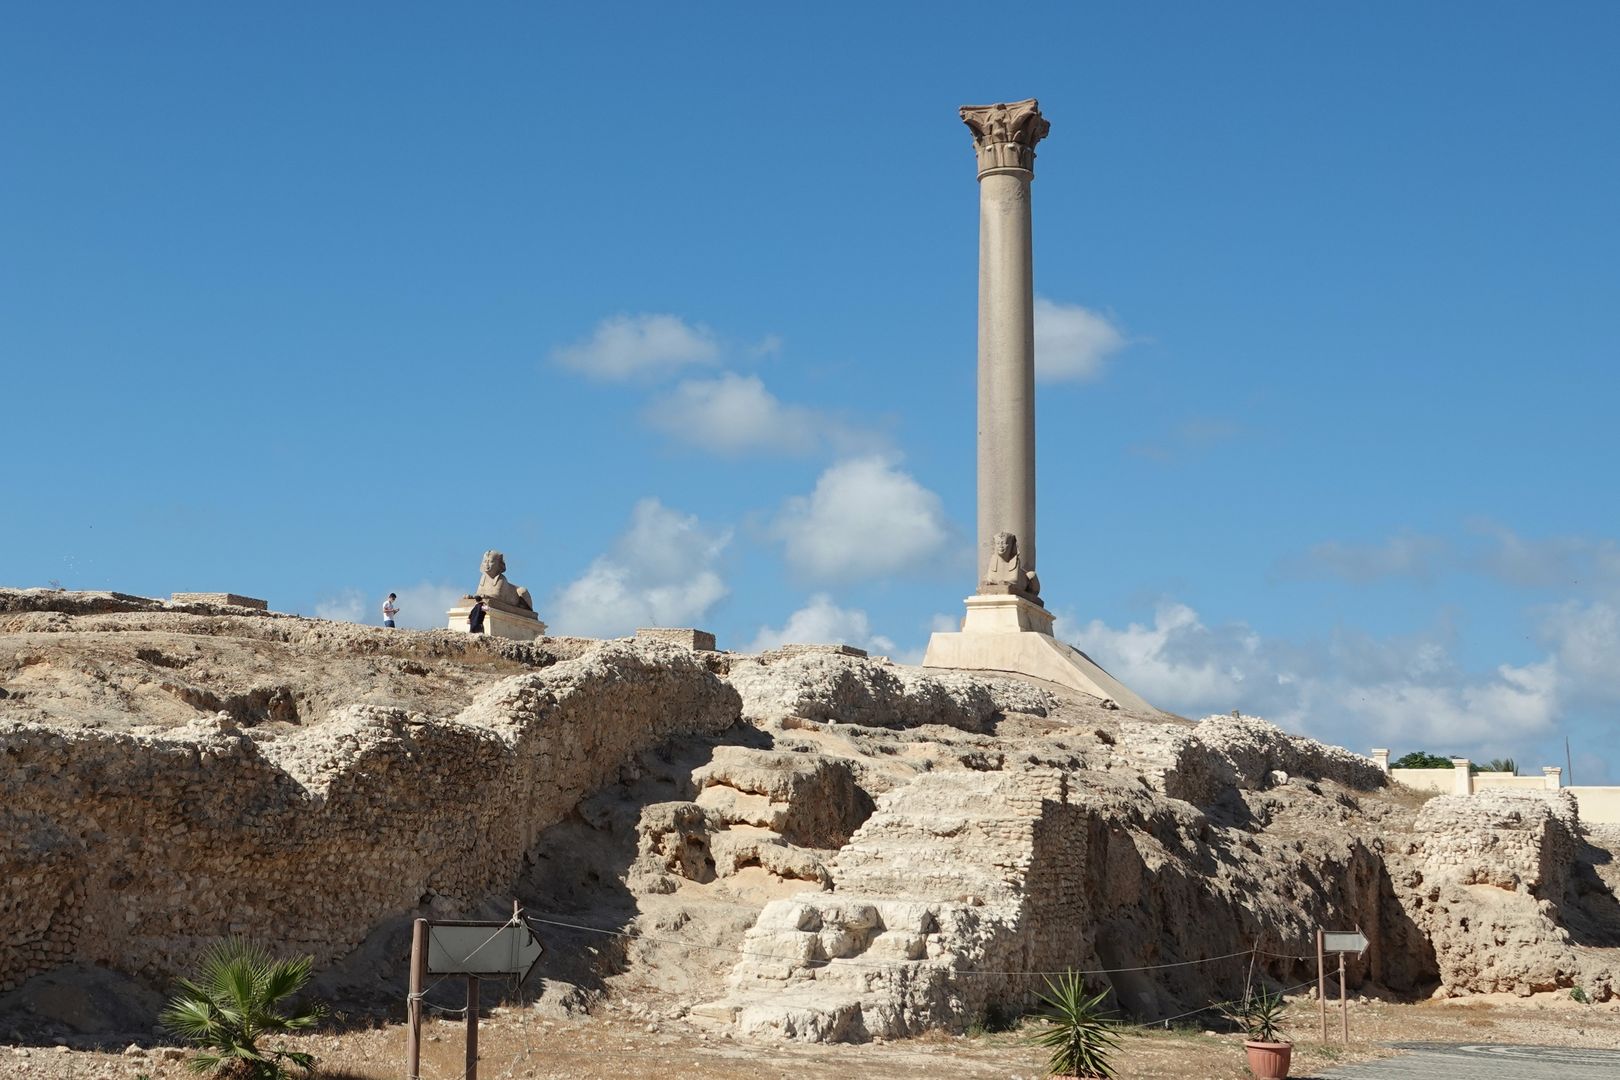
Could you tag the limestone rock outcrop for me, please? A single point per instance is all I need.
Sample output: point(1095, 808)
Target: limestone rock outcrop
point(1496, 881)
point(136, 850)
point(829, 686)
point(806, 844)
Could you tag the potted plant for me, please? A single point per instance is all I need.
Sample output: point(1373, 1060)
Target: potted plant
point(1260, 1017)
point(1078, 1035)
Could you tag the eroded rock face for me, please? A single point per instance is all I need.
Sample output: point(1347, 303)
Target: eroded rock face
point(811, 800)
point(136, 851)
point(807, 844)
point(832, 687)
point(1255, 750)
point(1492, 879)
point(962, 883)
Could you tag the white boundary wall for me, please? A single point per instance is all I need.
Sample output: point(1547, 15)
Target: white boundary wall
point(1597, 805)
point(1441, 780)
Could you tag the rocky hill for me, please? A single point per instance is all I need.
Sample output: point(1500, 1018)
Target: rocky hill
point(806, 843)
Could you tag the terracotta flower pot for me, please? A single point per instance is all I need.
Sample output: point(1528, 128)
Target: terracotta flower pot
point(1269, 1061)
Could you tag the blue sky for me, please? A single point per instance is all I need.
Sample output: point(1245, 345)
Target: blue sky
point(675, 305)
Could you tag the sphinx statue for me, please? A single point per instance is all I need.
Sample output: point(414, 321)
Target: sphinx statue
point(1006, 573)
point(493, 586)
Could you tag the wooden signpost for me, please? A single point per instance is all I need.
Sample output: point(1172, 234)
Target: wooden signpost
point(473, 949)
point(1341, 942)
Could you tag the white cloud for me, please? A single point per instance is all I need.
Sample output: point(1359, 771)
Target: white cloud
point(1406, 555)
point(425, 605)
point(421, 607)
point(1072, 342)
point(769, 345)
point(1193, 436)
point(1586, 640)
point(661, 572)
point(349, 605)
point(866, 518)
point(735, 414)
point(630, 346)
point(1356, 692)
point(1588, 564)
point(1554, 562)
point(1174, 663)
point(822, 622)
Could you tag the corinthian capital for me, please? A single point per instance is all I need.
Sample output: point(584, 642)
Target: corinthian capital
point(1005, 134)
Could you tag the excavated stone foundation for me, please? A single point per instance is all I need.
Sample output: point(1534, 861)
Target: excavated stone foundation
point(807, 844)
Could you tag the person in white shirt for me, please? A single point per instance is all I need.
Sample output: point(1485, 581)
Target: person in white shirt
point(390, 609)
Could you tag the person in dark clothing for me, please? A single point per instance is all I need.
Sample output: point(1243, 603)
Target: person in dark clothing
point(475, 617)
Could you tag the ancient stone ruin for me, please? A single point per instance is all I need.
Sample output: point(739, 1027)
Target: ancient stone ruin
point(805, 844)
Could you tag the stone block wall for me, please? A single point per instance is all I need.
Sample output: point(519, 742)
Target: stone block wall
point(226, 599)
point(698, 640)
point(1489, 882)
point(136, 851)
point(919, 932)
point(1510, 840)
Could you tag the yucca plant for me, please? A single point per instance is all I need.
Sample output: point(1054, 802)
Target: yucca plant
point(1260, 1016)
point(1077, 1033)
point(238, 998)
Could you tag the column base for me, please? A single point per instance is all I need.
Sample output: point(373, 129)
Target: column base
point(503, 622)
point(1008, 633)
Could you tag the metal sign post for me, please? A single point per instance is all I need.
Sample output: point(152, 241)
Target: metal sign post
point(1341, 942)
point(472, 949)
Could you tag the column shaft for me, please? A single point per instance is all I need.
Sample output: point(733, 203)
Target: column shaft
point(1006, 364)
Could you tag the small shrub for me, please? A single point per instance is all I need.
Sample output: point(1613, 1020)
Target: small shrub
point(1079, 1037)
point(1259, 1015)
point(237, 999)
point(1580, 995)
point(996, 1018)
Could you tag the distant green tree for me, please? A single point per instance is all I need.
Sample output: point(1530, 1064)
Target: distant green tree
point(239, 997)
point(1500, 764)
point(1421, 759)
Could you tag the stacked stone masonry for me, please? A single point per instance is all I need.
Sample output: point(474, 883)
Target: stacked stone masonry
point(854, 848)
point(137, 851)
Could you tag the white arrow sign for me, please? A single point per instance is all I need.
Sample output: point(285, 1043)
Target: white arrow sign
point(1344, 941)
point(481, 949)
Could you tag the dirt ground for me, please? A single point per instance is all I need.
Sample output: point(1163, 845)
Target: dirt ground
point(520, 1045)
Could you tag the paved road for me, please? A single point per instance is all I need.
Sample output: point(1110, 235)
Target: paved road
point(1444, 1061)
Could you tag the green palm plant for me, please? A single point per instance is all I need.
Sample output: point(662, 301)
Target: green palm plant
point(238, 998)
point(1260, 1016)
point(1077, 1033)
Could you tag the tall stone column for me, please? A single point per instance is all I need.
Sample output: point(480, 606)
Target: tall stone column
point(1007, 627)
point(1004, 137)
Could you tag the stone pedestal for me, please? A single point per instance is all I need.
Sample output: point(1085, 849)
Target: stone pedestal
point(1005, 615)
point(500, 620)
point(1008, 633)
